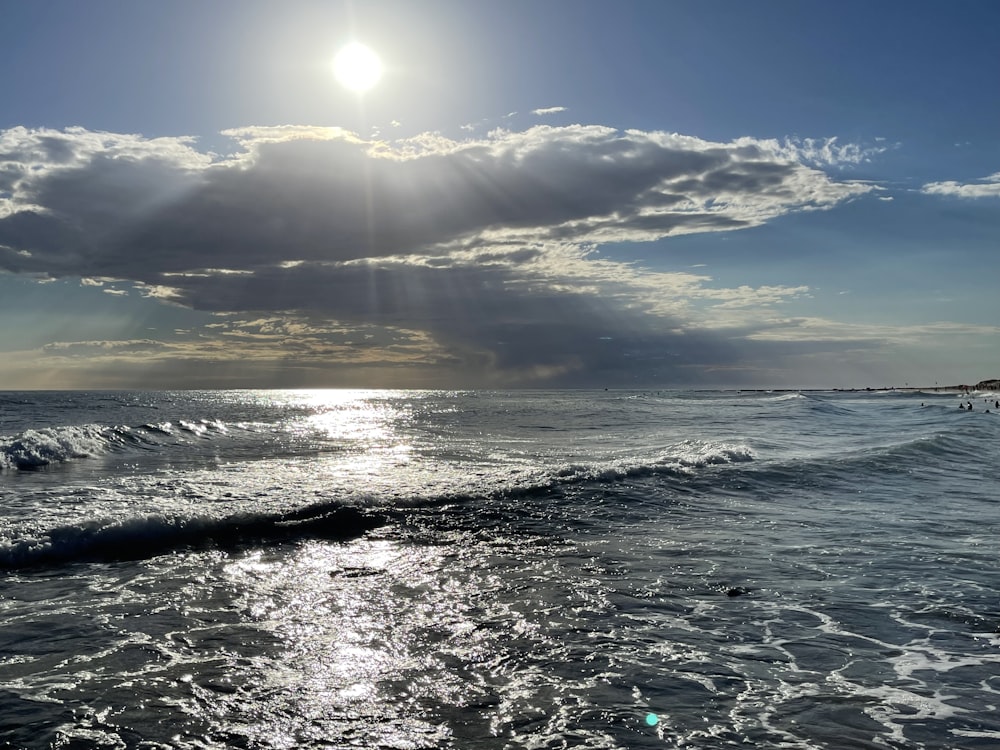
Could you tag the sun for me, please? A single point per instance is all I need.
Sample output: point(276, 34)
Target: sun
point(357, 67)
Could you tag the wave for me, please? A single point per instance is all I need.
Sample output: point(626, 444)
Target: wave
point(923, 455)
point(826, 405)
point(35, 449)
point(785, 397)
point(941, 450)
point(980, 394)
point(680, 459)
point(697, 454)
point(143, 537)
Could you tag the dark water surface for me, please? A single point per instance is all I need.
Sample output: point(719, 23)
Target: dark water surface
point(333, 569)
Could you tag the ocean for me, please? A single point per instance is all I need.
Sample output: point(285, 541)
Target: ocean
point(471, 569)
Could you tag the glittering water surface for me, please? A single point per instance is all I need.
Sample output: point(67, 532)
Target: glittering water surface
point(494, 570)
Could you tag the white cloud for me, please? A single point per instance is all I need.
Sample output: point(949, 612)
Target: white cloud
point(548, 110)
point(137, 347)
point(820, 329)
point(987, 187)
point(828, 152)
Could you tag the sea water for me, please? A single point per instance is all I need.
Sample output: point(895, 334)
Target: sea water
point(563, 569)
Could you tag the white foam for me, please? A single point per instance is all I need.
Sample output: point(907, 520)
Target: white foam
point(934, 660)
point(980, 734)
point(699, 453)
point(897, 706)
point(36, 448)
point(788, 397)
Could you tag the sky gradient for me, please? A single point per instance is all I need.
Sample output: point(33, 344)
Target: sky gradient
point(536, 194)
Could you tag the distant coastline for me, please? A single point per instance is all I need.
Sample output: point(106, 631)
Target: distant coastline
point(992, 384)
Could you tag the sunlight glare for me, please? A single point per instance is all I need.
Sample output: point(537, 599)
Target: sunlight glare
point(357, 67)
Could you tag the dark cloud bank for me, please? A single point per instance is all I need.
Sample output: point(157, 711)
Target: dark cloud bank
point(475, 253)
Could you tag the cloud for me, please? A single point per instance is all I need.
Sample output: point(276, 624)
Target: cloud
point(123, 207)
point(138, 347)
point(482, 318)
point(548, 110)
point(987, 187)
point(871, 334)
point(827, 151)
point(317, 245)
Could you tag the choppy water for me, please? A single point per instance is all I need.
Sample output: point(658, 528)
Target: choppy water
point(331, 569)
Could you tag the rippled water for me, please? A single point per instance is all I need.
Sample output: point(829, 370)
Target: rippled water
point(493, 570)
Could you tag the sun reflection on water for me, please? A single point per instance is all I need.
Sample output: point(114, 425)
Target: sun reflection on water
point(367, 634)
point(355, 416)
point(365, 437)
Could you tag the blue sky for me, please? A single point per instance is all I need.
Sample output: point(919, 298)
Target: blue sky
point(563, 193)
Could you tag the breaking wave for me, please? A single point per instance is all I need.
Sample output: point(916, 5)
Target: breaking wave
point(37, 448)
point(142, 537)
point(683, 458)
